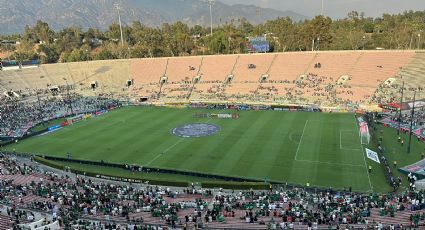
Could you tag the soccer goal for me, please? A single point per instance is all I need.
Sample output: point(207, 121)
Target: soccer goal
point(364, 134)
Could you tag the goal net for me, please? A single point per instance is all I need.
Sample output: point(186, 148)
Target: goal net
point(364, 133)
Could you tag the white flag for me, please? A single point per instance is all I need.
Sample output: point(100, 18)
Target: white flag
point(372, 155)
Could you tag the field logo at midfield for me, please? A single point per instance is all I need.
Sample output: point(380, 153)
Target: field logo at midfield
point(196, 130)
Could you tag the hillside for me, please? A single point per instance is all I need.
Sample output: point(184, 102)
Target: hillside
point(16, 14)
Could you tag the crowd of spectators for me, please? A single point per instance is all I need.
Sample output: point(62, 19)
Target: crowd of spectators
point(309, 88)
point(79, 202)
point(19, 114)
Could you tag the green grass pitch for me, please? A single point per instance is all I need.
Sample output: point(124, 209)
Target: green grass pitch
point(294, 147)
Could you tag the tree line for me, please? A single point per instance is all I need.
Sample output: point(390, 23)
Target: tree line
point(354, 32)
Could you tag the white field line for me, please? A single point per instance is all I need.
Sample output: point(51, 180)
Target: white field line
point(331, 163)
point(169, 148)
point(340, 141)
point(154, 159)
point(172, 146)
point(299, 144)
point(165, 151)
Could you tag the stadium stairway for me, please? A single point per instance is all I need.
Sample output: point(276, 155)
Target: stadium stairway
point(21, 179)
point(399, 217)
point(5, 222)
point(413, 73)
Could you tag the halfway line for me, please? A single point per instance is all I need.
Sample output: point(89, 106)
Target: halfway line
point(299, 144)
point(165, 151)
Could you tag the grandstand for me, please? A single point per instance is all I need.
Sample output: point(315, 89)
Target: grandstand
point(230, 77)
point(310, 168)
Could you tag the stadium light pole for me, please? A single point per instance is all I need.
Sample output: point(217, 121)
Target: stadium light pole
point(399, 114)
point(211, 3)
point(69, 96)
point(118, 8)
point(39, 106)
point(364, 41)
point(312, 45)
point(318, 43)
point(411, 122)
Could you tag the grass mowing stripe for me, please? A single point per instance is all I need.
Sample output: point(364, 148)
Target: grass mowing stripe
point(260, 144)
point(266, 137)
point(237, 144)
point(214, 149)
point(250, 146)
point(148, 142)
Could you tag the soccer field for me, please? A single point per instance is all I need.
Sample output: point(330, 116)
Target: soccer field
point(294, 147)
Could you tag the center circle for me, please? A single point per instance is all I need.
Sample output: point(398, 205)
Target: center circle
point(196, 130)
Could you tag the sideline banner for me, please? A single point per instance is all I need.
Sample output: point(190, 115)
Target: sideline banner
point(417, 168)
point(372, 155)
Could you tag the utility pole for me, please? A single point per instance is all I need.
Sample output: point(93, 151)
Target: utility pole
point(118, 8)
point(211, 3)
point(412, 117)
point(322, 11)
point(399, 115)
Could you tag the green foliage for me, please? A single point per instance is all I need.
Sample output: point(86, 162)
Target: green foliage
point(354, 32)
point(48, 54)
point(49, 163)
point(206, 184)
point(78, 55)
point(94, 171)
point(104, 54)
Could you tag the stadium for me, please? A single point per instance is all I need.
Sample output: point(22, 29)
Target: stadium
point(283, 140)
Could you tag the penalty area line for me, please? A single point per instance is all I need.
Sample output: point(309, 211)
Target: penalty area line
point(340, 142)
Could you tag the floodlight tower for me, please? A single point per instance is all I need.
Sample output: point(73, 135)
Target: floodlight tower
point(412, 117)
point(399, 115)
point(211, 3)
point(118, 8)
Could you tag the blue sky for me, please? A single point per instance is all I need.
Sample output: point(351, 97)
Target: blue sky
point(337, 8)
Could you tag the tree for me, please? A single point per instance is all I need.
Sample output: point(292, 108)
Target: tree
point(104, 54)
point(355, 31)
point(218, 43)
point(43, 32)
point(320, 31)
point(69, 39)
point(48, 54)
point(78, 55)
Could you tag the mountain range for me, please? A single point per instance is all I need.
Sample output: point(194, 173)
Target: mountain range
point(16, 14)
